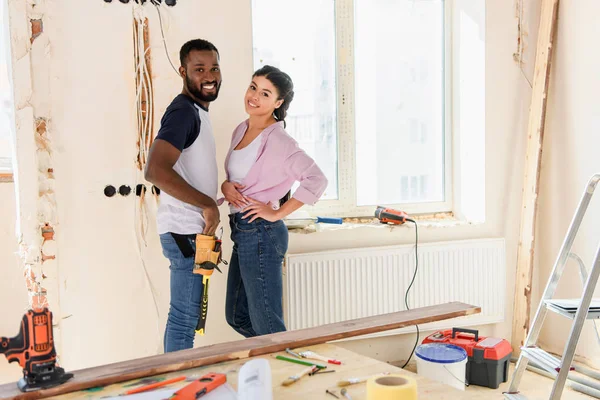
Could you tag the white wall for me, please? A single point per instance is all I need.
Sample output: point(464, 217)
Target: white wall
point(102, 277)
point(570, 157)
point(103, 292)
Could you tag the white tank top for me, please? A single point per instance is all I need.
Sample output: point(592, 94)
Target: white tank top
point(240, 162)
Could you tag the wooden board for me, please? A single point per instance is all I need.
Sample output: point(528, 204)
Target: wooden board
point(353, 365)
point(535, 135)
point(243, 349)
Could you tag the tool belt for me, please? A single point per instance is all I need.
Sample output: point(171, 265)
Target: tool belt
point(208, 254)
point(208, 251)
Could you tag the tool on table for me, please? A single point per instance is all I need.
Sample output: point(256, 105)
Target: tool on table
point(154, 385)
point(33, 349)
point(345, 394)
point(321, 371)
point(297, 377)
point(315, 356)
point(391, 216)
point(207, 259)
point(352, 381)
point(292, 353)
point(299, 361)
point(331, 393)
point(198, 388)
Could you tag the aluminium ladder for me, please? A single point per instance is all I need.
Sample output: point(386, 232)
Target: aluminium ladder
point(578, 310)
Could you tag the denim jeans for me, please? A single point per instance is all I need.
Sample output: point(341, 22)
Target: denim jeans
point(254, 304)
point(186, 294)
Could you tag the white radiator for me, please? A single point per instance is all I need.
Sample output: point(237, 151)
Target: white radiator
point(334, 286)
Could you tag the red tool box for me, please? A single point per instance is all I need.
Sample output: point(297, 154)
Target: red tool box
point(489, 357)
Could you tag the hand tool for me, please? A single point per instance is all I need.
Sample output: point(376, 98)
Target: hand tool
point(296, 378)
point(292, 353)
point(321, 371)
point(331, 393)
point(391, 216)
point(301, 222)
point(315, 356)
point(298, 361)
point(345, 394)
point(198, 388)
point(352, 381)
point(208, 256)
point(154, 385)
point(33, 348)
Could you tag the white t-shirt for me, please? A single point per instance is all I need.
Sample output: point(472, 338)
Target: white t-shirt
point(187, 126)
point(240, 162)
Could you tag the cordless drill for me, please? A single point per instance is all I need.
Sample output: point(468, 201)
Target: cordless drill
point(33, 349)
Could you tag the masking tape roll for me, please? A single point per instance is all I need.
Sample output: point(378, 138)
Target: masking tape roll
point(391, 387)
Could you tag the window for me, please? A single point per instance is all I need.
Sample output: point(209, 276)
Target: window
point(298, 37)
point(371, 84)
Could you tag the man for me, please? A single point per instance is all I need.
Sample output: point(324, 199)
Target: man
point(182, 163)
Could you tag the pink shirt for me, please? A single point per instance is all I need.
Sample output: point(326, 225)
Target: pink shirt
point(279, 163)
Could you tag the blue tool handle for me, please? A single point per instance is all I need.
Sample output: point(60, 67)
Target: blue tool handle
point(327, 220)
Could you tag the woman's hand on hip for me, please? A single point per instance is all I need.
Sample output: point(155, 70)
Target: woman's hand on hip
point(231, 192)
point(261, 210)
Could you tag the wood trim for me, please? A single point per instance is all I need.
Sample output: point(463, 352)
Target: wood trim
point(535, 134)
point(242, 349)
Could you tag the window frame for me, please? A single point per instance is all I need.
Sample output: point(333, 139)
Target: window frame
point(345, 205)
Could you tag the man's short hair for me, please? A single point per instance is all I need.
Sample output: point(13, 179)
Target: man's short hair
point(195, 44)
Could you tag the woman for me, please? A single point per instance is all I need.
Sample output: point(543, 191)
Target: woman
point(262, 164)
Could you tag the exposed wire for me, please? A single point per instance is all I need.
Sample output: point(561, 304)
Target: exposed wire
point(146, 273)
point(410, 286)
point(162, 32)
point(145, 115)
point(144, 95)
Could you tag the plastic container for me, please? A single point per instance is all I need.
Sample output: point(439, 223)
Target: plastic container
point(489, 358)
point(445, 363)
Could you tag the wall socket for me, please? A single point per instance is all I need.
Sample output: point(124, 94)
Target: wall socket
point(155, 2)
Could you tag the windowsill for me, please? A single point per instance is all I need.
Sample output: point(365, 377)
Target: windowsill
point(6, 177)
point(440, 220)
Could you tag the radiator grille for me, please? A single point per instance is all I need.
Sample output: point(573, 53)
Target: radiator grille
point(334, 286)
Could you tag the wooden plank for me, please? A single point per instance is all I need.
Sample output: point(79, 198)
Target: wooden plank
point(353, 365)
point(535, 134)
point(243, 349)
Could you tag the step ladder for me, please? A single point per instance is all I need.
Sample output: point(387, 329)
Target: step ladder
point(578, 310)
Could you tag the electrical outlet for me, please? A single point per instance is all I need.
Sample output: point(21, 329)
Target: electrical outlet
point(155, 2)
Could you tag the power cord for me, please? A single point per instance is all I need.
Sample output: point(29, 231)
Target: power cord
point(410, 286)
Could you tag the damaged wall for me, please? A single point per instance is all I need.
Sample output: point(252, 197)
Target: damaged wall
point(36, 211)
point(83, 85)
point(527, 16)
point(570, 158)
point(84, 88)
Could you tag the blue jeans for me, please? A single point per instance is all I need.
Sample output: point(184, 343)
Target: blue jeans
point(186, 294)
point(254, 304)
